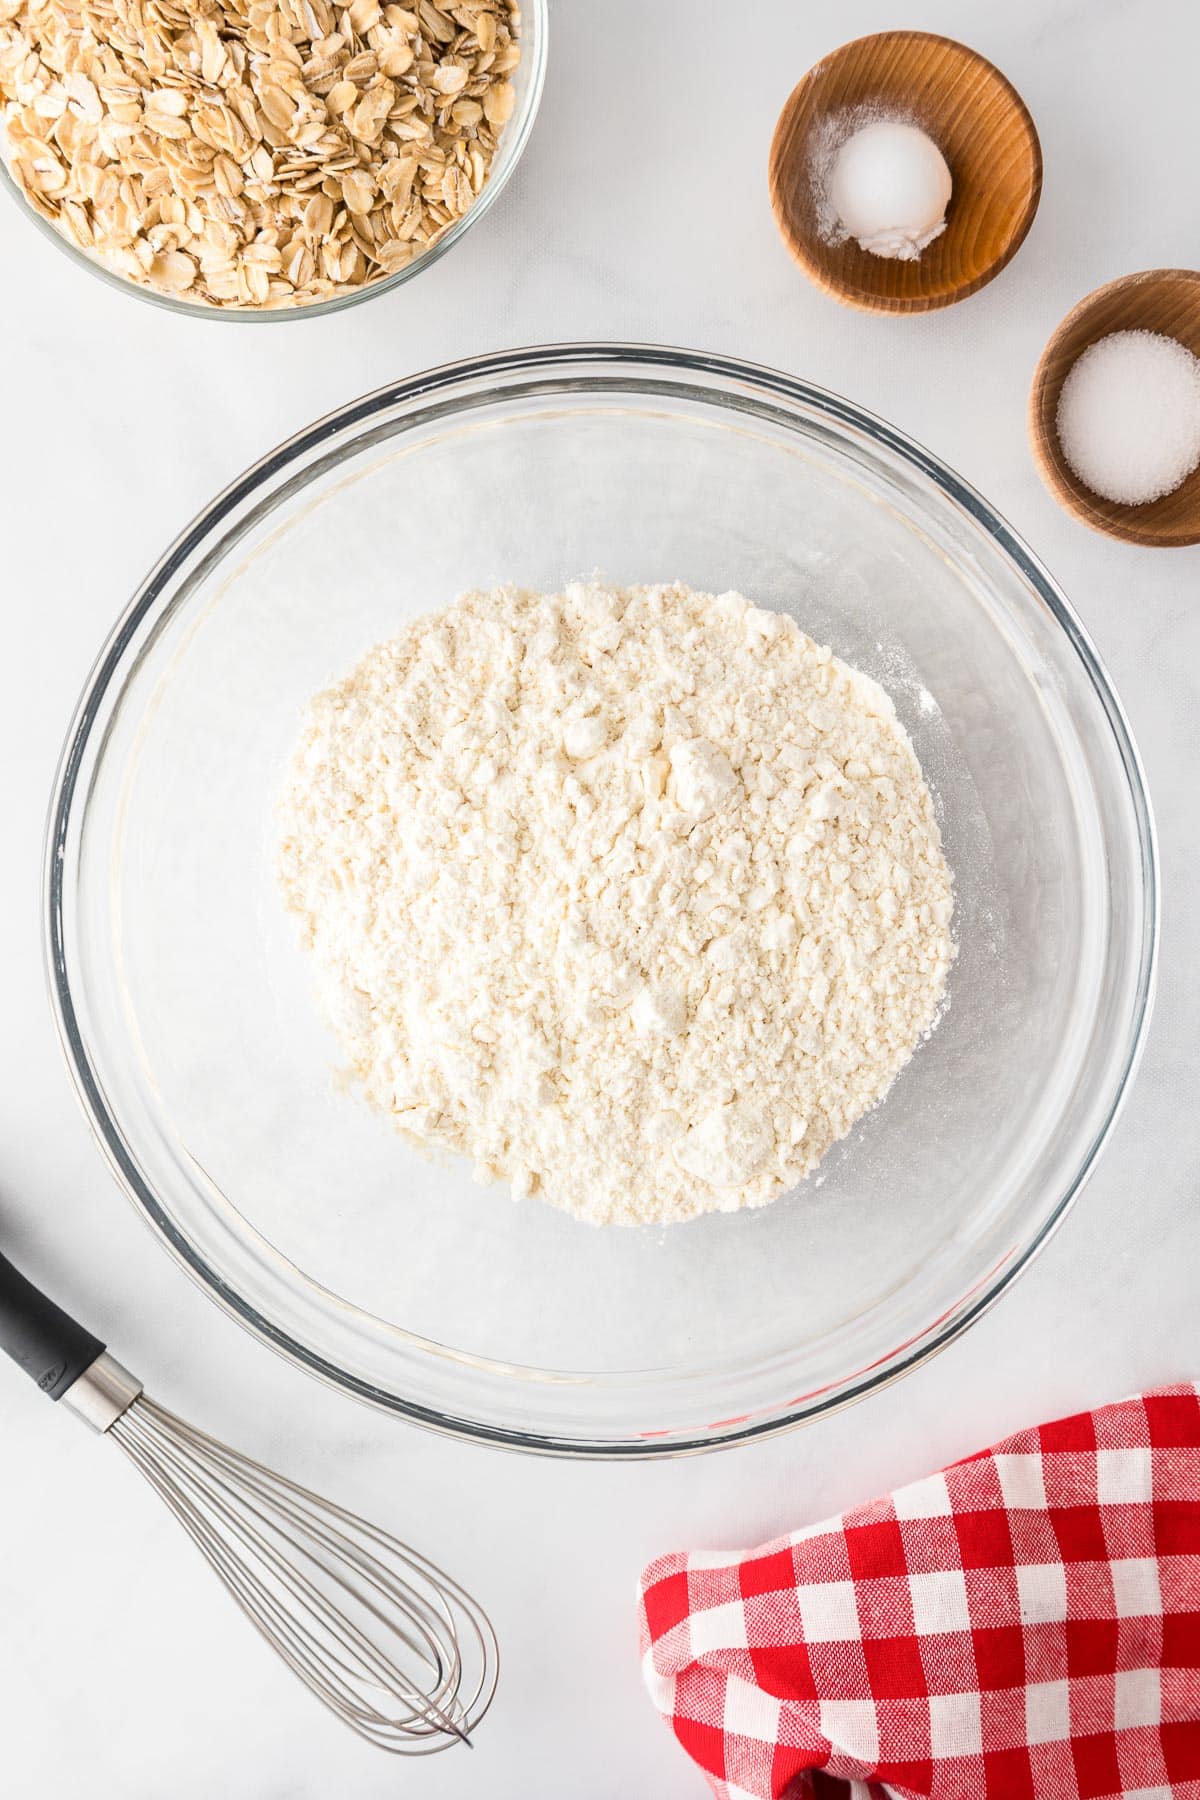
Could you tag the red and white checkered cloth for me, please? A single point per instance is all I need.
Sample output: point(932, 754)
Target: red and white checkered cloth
point(1025, 1624)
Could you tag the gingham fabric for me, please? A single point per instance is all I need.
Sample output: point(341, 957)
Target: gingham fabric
point(1024, 1624)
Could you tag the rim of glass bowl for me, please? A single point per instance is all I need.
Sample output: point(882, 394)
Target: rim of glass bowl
point(529, 372)
point(535, 23)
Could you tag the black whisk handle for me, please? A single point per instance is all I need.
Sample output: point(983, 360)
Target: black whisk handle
point(51, 1346)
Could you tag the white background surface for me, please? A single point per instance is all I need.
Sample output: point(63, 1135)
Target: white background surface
point(640, 211)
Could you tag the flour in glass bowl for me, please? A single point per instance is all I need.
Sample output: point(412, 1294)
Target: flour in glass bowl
point(636, 897)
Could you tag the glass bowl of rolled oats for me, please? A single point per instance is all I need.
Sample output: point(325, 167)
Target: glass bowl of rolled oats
point(262, 159)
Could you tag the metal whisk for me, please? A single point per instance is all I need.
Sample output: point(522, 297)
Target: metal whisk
point(399, 1651)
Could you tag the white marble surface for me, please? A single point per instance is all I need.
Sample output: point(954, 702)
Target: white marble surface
point(640, 212)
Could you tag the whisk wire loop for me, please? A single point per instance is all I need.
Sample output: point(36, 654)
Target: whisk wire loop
point(385, 1673)
point(396, 1648)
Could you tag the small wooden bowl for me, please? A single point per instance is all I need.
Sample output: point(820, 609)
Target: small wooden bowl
point(1166, 300)
point(984, 131)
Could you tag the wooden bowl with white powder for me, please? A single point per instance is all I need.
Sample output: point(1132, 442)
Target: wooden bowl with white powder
point(977, 120)
point(1166, 303)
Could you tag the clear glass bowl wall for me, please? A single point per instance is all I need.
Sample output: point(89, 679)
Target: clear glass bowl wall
point(186, 1004)
point(527, 78)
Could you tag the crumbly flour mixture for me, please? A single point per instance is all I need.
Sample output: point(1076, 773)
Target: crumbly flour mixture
point(636, 897)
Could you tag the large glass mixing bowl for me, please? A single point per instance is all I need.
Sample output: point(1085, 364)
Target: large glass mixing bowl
point(186, 1007)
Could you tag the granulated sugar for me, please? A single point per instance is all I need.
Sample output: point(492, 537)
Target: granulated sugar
point(635, 897)
point(1129, 416)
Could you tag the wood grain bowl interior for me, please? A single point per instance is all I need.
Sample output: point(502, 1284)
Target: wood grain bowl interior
point(983, 129)
point(1164, 300)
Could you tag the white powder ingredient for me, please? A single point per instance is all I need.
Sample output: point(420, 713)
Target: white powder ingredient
point(880, 180)
point(890, 188)
point(1129, 416)
point(635, 897)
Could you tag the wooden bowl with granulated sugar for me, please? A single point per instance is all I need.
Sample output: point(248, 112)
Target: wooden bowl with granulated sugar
point(1159, 300)
point(978, 121)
